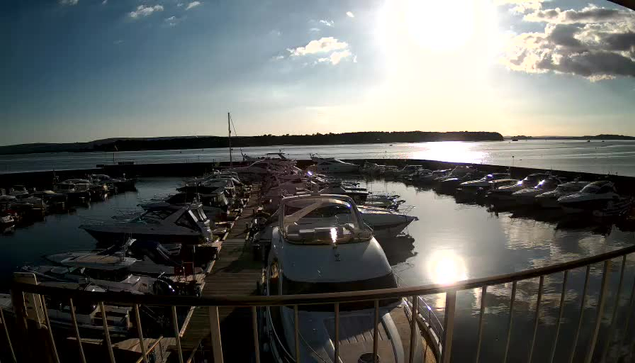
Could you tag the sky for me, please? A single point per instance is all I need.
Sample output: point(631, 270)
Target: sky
point(79, 70)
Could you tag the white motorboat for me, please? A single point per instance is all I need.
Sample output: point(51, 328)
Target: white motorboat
point(120, 280)
point(75, 192)
point(18, 191)
point(322, 245)
point(359, 195)
point(474, 186)
point(386, 223)
point(505, 192)
point(527, 196)
point(383, 200)
point(333, 165)
point(550, 199)
point(163, 222)
point(597, 197)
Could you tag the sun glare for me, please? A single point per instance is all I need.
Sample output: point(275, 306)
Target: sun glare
point(446, 267)
point(440, 25)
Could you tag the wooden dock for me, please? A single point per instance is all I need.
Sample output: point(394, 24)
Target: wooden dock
point(233, 273)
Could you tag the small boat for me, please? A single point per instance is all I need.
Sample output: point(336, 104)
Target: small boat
point(322, 245)
point(550, 199)
point(384, 200)
point(386, 224)
point(485, 183)
point(163, 223)
point(332, 165)
point(359, 195)
point(75, 192)
point(18, 191)
point(109, 280)
point(450, 184)
point(599, 197)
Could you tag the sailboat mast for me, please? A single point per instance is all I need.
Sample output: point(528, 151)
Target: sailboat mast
point(229, 128)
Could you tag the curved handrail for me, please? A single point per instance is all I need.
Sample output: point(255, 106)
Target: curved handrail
point(316, 299)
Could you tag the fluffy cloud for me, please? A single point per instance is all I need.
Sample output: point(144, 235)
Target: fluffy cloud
point(350, 15)
point(322, 45)
point(327, 22)
point(68, 2)
point(588, 15)
point(329, 49)
point(143, 11)
point(193, 4)
point(521, 6)
point(595, 43)
point(335, 57)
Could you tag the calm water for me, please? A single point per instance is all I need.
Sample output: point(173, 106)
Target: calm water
point(450, 242)
point(597, 157)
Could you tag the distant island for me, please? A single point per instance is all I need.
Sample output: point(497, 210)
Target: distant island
point(607, 137)
point(206, 142)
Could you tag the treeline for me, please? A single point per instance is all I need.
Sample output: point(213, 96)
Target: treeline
point(315, 139)
point(204, 142)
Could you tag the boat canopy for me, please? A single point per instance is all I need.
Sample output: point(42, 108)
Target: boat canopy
point(322, 219)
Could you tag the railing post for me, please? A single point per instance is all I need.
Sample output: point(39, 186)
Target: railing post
point(560, 314)
point(76, 328)
point(104, 321)
point(254, 327)
point(480, 323)
point(337, 333)
point(577, 332)
point(598, 319)
point(537, 318)
point(177, 334)
point(413, 329)
point(6, 332)
point(376, 331)
point(296, 331)
point(49, 328)
point(448, 329)
point(214, 326)
point(140, 333)
point(510, 322)
point(616, 307)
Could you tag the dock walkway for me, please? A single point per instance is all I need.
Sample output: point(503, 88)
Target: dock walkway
point(234, 273)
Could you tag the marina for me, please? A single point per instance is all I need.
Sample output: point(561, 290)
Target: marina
point(413, 213)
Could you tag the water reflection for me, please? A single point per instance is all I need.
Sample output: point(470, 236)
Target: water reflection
point(451, 151)
point(446, 267)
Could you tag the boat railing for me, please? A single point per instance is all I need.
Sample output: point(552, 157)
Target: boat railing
point(614, 344)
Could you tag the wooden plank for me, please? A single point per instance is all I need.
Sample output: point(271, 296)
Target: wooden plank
point(233, 273)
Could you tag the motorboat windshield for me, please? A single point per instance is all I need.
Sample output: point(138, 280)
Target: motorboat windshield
point(598, 188)
point(324, 219)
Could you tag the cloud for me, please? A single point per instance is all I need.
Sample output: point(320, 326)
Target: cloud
point(68, 2)
point(350, 15)
point(595, 43)
point(179, 5)
point(335, 57)
point(329, 23)
point(117, 42)
point(143, 11)
point(193, 4)
point(588, 15)
point(314, 29)
point(172, 21)
point(104, 2)
point(323, 45)
point(521, 6)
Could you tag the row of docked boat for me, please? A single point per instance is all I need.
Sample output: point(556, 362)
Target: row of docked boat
point(542, 190)
point(167, 249)
point(22, 205)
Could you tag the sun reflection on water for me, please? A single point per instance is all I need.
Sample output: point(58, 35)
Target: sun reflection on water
point(451, 151)
point(446, 267)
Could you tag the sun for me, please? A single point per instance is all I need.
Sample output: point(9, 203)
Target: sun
point(440, 25)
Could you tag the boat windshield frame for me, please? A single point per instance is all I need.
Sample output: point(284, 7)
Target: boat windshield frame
point(319, 230)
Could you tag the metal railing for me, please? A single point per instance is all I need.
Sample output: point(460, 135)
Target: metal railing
point(444, 330)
